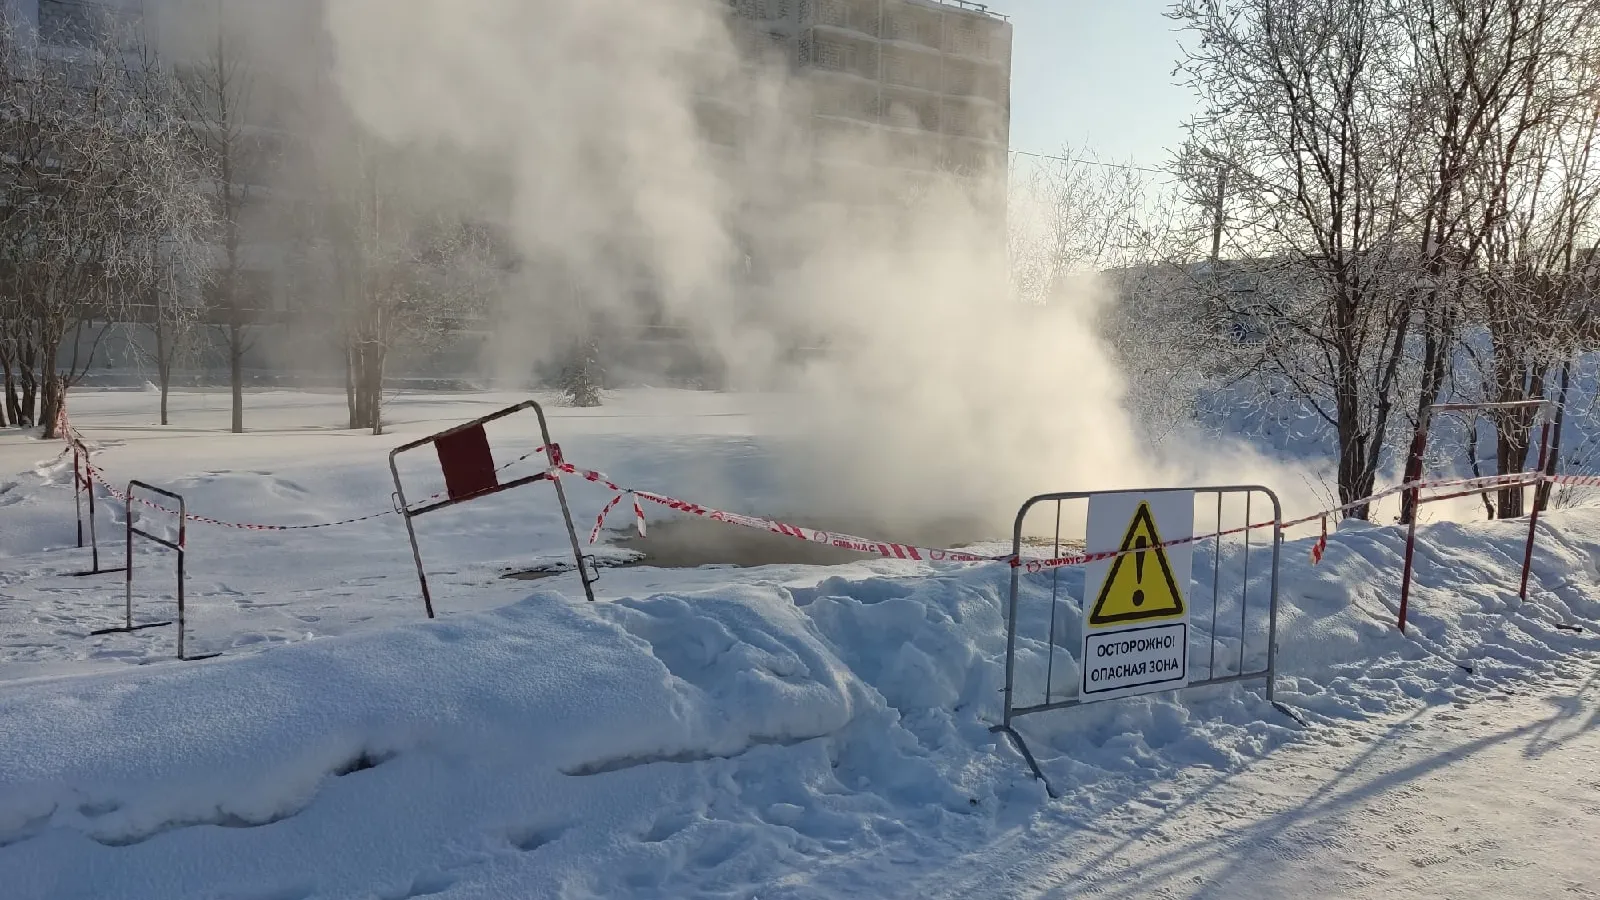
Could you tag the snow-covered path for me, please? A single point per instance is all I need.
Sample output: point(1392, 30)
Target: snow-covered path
point(1499, 797)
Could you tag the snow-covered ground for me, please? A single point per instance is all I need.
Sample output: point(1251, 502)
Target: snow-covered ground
point(782, 731)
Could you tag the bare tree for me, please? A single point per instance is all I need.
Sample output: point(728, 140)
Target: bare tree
point(1537, 187)
point(402, 270)
point(1478, 79)
point(172, 323)
point(1298, 108)
point(1070, 217)
point(218, 86)
point(95, 175)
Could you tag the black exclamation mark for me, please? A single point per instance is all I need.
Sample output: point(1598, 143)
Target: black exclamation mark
point(1138, 569)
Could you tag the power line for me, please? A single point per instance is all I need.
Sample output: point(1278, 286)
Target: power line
point(1090, 162)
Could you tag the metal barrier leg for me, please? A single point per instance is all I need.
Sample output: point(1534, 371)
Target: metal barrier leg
point(84, 483)
point(1411, 550)
point(1216, 589)
point(182, 618)
point(1011, 622)
point(127, 579)
point(1022, 747)
point(1272, 609)
point(127, 626)
point(1244, 587)
point(1055, 600)
point(577, 548)
point(77, 493)
point(411, 533)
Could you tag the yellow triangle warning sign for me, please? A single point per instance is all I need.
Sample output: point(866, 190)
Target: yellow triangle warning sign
point(1139, 587)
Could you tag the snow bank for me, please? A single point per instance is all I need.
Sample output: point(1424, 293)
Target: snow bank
point(358, 757)
point(779, 732)
point(699, 744)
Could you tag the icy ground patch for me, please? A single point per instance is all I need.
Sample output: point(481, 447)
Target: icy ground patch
point(758, 733)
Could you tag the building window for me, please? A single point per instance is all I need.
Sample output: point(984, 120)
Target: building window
point(911, 26)
point(911, 70)
point(968, 38)
point(843, 56)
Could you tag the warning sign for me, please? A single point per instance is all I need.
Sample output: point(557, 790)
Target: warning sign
point(1136, 623)
point(1140, 587)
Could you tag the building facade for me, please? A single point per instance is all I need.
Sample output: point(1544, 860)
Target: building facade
point(926, 84)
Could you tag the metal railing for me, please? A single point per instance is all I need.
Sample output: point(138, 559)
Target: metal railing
point(1232, 549)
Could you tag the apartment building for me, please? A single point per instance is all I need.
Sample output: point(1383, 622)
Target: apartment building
point(925, 82)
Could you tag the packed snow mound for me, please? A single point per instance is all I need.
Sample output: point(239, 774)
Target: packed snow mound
point(571, 723)
point(775, 732)
point(698, 743)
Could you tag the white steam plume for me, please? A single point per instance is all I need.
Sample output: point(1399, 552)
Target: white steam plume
point(941, 395)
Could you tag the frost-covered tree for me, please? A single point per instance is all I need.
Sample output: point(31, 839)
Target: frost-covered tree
point(582, 375)
point(1297, 109)
point(219, 83)
point(98, 197)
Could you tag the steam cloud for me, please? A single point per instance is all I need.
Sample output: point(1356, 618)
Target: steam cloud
point(942, 396)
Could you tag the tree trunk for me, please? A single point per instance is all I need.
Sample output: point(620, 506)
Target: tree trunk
point(236, 372)
point(163, 366)
point(350, 386)
point(13, 404)
point(1354, 482)
point(53, 395)
point(375, 385)
point(13, 398)
point(1472, 459)
point(1514, 438)
point(364, 385)
point(1435, 359)
point(1512, 454)
point(30, 394)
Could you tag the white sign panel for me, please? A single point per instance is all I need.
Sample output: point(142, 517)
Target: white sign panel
point(1135, 611)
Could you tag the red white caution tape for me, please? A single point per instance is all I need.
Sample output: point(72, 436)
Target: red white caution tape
point(886, 549)
point(905, 551)
point(75, 442)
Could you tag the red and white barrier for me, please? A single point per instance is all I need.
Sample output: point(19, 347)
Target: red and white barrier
point(885, 549)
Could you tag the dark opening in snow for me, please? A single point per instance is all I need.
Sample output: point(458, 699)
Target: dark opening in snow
point(685, 542)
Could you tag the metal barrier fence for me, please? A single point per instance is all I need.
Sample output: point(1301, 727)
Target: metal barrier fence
point(1144, 622)
point(83, 484)
point(1545, 410)
point(178, 546)
point(469, 471)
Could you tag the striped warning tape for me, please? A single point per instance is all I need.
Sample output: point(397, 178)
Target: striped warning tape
point(76, 442)
point(893, 550)
point(886, 549)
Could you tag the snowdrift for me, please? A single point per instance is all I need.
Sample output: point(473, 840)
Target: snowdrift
point(792, 738)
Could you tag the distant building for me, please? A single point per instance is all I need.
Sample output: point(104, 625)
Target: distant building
point(928, 82)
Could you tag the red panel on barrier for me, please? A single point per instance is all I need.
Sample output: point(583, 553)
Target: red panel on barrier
point(467, 463)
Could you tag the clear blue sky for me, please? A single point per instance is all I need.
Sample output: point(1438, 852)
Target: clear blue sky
point(1095, 74)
